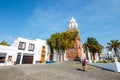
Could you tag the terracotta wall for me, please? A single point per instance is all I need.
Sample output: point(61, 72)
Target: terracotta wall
point(76, 52)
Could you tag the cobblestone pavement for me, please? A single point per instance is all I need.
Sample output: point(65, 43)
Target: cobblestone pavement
point(69, 70)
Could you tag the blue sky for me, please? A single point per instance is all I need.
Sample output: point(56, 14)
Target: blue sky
point(40, 18)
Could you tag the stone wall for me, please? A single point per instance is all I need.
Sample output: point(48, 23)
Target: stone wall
point(76, 52)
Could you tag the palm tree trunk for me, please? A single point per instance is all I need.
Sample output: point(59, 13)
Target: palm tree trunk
point(63, 52)
point(99, 55)
point(91, 56)
point(94, 56)
point(87, 54)
point(115, 50)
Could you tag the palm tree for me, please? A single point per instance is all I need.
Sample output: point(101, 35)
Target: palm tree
point(93, 47)
point(115, 45)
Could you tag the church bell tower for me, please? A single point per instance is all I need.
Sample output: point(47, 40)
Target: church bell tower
point(76, 52)
point(73, 24)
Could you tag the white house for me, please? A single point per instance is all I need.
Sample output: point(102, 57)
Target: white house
point(30, 51)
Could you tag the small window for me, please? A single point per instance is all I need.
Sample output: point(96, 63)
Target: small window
point(31, 47)
point(22, 45)
point(2, 57)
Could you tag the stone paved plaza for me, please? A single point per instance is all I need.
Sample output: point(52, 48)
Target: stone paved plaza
point(69, 70)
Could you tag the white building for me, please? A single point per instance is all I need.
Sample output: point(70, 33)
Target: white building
point(30, 51)
point(26, 51)
point(8, 55)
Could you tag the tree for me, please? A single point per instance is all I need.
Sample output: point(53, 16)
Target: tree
point(63, 41)
point(115, 45)
point(4, 43)
point(93, 47)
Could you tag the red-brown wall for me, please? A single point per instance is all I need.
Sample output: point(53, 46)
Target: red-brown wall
point(76, 52)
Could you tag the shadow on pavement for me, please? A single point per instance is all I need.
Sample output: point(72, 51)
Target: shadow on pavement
point(79, 69)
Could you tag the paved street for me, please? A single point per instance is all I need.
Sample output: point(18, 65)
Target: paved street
point(68, 70)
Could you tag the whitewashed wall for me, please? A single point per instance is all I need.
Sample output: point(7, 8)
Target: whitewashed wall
point(110, 66)
point(38, 47)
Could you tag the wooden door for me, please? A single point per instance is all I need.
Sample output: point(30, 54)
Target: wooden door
point(43, 54)
point(51, 54)
point(42, 58)
point(51, 57)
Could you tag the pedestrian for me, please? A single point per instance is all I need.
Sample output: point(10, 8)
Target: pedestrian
point(84, 64)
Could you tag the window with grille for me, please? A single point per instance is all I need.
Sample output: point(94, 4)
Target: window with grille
point(21, 45)
point(31, 47)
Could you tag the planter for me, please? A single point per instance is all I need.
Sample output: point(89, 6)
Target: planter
point(50, 61)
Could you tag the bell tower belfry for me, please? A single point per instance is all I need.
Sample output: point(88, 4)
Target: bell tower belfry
point(73, 24)
point(76, 52)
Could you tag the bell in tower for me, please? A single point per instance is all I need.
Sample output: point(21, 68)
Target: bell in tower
point(73, 24)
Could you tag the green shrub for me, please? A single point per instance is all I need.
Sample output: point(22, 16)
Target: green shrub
point(98, 61)
point(105, 61)
point(112, 60)
point(93, 61)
